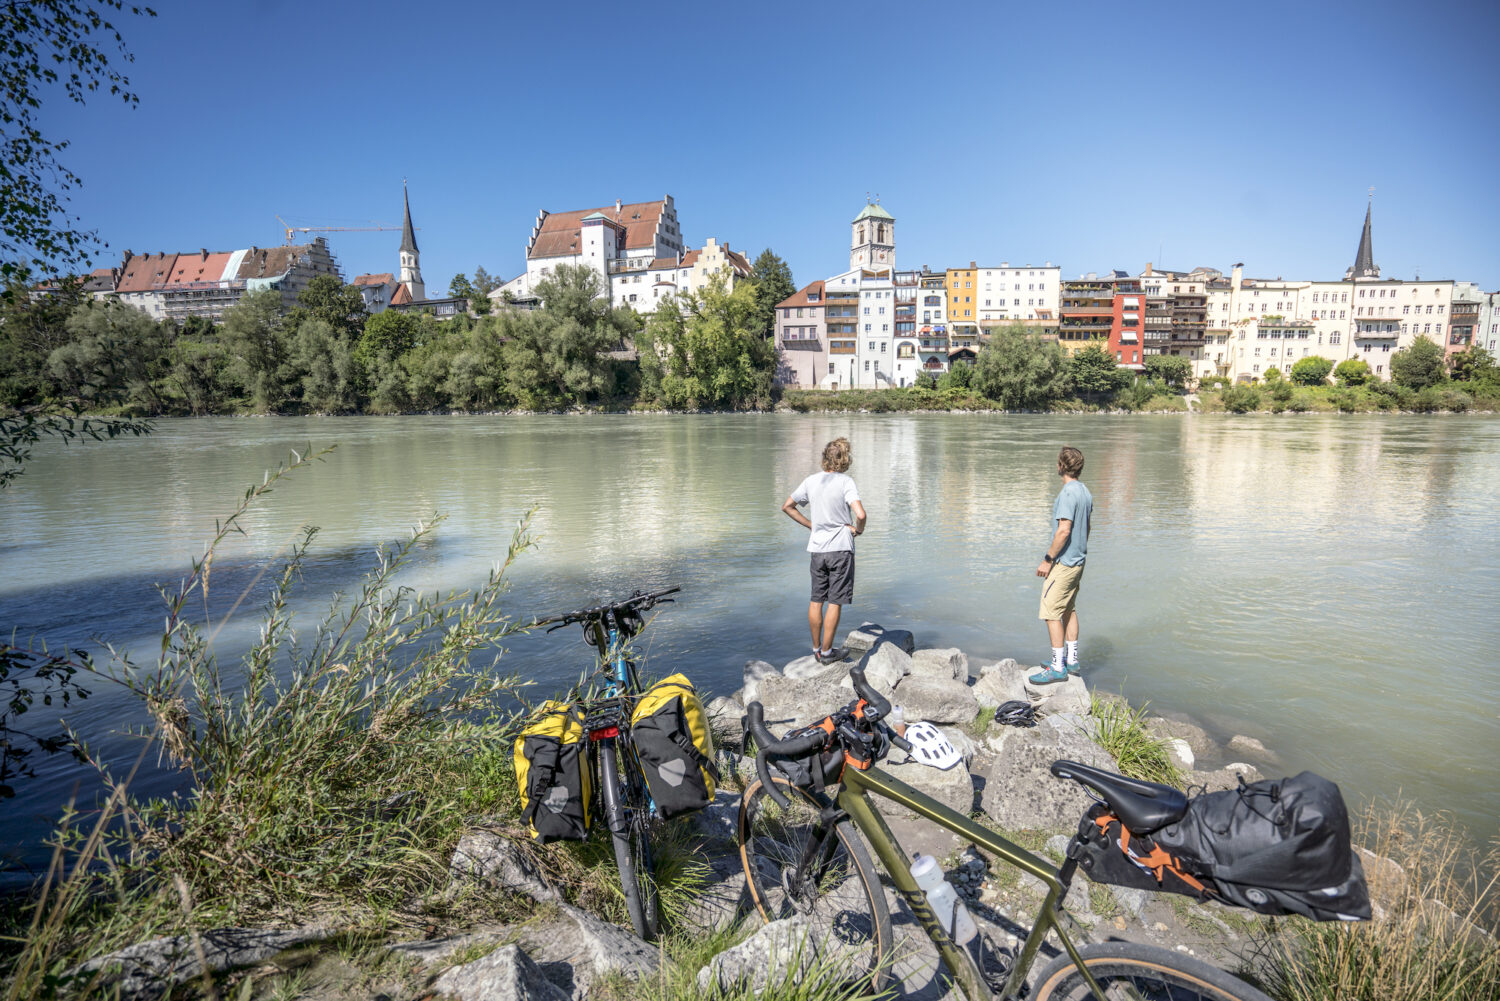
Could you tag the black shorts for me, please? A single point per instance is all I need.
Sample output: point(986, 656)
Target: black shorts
point(833, 577)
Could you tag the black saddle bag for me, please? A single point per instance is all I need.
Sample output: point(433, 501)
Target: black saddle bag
point(1278, 846)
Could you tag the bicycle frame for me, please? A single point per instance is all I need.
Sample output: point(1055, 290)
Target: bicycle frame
point(620, 680)
point(854, 800)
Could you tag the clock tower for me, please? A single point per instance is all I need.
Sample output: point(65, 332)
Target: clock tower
point(872, 241)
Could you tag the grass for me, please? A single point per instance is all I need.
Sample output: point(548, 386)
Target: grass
point(983, 720)
point(1121, 730)
point(1415, 951)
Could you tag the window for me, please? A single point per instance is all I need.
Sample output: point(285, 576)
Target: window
point(1440, 311)
point(830, 368)
point(867, 330)
point(867, 366)
point(882, 347)
point(1333, 338)
point(872, 343)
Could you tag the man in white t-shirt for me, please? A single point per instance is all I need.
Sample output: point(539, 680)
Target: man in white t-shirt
point(837, 517)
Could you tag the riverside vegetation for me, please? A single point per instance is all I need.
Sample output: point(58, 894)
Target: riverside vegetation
point(705, 350)
point(334, 772)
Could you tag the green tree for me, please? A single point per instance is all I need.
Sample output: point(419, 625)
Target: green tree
point(391, 331)
point(1352, 372)
point(115, 354)
point(256, 342)
point(960, 375)
point(1272, 374)
point(1472, 364)
point(560, 354)
point(484, 284)
point(1311, 371)
point(340, 306)
point(326, 363)
point(50, 44)
point(706, 349)
point(1418, 366)
point(773, 284)
point(461, 286)
point(1095, 372)
point(197, 373)
point(1241, 399)
point(1172, 371)
point(30, 330)
point(1021, 371)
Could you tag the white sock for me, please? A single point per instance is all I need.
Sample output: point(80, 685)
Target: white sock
point(1057, 658)
point(1072, 646)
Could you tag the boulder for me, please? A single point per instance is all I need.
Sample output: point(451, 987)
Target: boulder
point(782, 952)
point(810, 667)
point(755, 672)
point(791, 703)
point(952, 787)
point(961, 741)
point(1250, 747)
point(1070, 696)
point(1180, 753)
point(1001, 682)
point(950, 663)
point(1385, 877)
point(1228, 777)
point(868, 635)
point(507, 974)
point(1197, 738)
point(1443, 922)
point(884, 668)
point(724, 717)
point(489, 859)
point(578, 949)
point(718, 905)
point(936, 700)
point(149, 969)
point(719, 820)
point(1020, 793)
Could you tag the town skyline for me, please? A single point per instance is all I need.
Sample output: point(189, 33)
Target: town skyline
point(1183, 170)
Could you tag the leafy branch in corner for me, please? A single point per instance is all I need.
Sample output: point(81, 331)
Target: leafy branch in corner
point(21, 430)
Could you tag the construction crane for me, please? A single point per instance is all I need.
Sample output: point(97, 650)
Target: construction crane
point(289, 230)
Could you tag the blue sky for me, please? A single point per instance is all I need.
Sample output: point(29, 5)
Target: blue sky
point(1092, 136)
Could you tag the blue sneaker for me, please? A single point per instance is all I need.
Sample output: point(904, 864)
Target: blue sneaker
point(1075, 668)
point(1049, 676)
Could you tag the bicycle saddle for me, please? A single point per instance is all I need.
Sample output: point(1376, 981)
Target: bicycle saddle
point(1141, 806)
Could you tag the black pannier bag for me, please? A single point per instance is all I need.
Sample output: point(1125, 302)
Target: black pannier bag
point(1277, 846)
point(670, 730)
point(555, 773)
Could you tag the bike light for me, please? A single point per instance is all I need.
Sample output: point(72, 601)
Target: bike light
point(604, 734)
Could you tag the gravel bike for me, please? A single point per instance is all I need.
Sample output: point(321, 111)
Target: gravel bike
point(802, 855)
point(625, 801)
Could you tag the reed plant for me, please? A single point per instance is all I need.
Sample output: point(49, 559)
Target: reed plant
point(1121, 730)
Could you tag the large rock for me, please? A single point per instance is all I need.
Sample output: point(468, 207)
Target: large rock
point(884, 668)
point(1180, 753)
point(489, 859)
point(1228, 777)
point(952, 787)
point(1197, 738)
point(807, 667)
point(868, 635)
point(936, 700)
point(950, 663)
point(149, 969)
point(507, 974)
point(724, 715)
point(578, 949)
point(1070, 696)
point(755, 672)
point(782, 952)
point(722, 900)
point(791, 703)
point(1001, 682)
point(1020, 793)
point(1250, 747)
point(1385, 877)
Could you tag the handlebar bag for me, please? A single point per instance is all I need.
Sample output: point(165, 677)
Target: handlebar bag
point(555, 774)
point(671, 735)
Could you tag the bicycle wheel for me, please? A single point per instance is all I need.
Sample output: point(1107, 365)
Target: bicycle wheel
point(796, 864)
point(626, 812)
point(1131, 972)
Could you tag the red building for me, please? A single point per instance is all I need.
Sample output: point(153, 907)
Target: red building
point(1127, 321)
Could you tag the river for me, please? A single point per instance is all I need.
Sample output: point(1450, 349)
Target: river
point(1326, 584)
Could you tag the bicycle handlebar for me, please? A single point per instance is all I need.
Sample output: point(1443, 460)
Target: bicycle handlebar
point(639, 601)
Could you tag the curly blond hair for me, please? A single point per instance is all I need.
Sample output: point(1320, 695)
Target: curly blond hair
point(836, 456)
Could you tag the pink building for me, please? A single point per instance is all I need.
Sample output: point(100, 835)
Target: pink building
point(801, 339)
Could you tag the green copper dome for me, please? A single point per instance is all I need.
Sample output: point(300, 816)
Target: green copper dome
point(873, 211)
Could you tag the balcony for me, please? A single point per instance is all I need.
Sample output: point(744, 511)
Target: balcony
point(802, 344)
point(841, 347)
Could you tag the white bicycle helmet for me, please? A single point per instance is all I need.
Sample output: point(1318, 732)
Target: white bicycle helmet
point(930, 747)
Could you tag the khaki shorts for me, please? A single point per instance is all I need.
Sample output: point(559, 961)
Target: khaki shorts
point(1060, 591)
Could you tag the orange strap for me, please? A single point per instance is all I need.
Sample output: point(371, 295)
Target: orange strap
point(1158, 860)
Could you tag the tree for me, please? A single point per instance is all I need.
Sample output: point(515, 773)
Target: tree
point(1352, 372)
point(706, 350)
point(50, 43)
point(1170, 370)
point(1272, 374)
point(197, 372)
point(340, 306)
point(391, 331)
point(460, 286)
point(1241, 399)
point(115, 354)
point(255, 340)
point(560, 354)
point(1021, 371)
point(326, 363)
point(1095, 372)
point(30, 330)
point(484, 284)
point(1472, 364)
point(773, 284)
point(1311, 371)
point(1418, 366)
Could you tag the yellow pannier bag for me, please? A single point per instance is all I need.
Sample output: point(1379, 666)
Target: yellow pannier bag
point(555, 773)
point(670, 731)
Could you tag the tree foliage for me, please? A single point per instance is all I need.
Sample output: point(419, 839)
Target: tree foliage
point(706, 350)
point(1021, 371)
point(773, 284)
point(1311, 371)
point(1472, 364)
point(340, 306)
point(50, 45)
point(1095, 372)
point(1173, 371)
point(1352, 372)
point(560, 355)
point(1418, 366)
point(256, 344)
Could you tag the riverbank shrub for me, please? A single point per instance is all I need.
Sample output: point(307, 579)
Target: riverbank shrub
point(1352, 372)
point(1418, 366)
point(1241, 399)
point(1021, 371)
point(1311, 371)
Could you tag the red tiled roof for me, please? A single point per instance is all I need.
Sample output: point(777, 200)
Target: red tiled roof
point(381, 279)
point(200, 267)
point(560, 236)
point(663, 263)
point(799, 298)
point(401, 296)
point(142, 271)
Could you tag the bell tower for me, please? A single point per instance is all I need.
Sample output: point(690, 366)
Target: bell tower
point(872, 238)
point(411, 269)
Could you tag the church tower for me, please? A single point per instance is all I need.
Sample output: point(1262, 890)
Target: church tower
point(872, 241)
point(1364, 257)
point(411, 270)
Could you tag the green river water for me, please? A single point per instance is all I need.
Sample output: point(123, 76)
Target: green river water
point(1324, 583)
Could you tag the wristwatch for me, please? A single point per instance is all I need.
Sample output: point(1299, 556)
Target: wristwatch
point(1049, 558)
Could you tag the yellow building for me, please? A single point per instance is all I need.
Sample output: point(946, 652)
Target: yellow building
point(961, 293)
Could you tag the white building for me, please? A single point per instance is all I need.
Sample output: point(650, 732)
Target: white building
point(1012, 293)
point(614, 240)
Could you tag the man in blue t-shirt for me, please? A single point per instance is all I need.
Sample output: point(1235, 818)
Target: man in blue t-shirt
point(1062, 568)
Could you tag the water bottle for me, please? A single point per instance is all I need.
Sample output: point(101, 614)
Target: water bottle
point(897, 721)
point(951, 912)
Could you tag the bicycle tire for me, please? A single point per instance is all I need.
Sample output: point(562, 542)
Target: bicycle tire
point(848, 899)
point(625, 812)
point(1135, 971)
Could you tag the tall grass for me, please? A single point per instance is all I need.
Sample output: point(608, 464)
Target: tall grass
point(1432, 938)
point(1121, 730)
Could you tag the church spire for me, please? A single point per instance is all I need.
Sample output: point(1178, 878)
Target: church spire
point(411, 268)
point(409, 238)
point(1364, 258)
